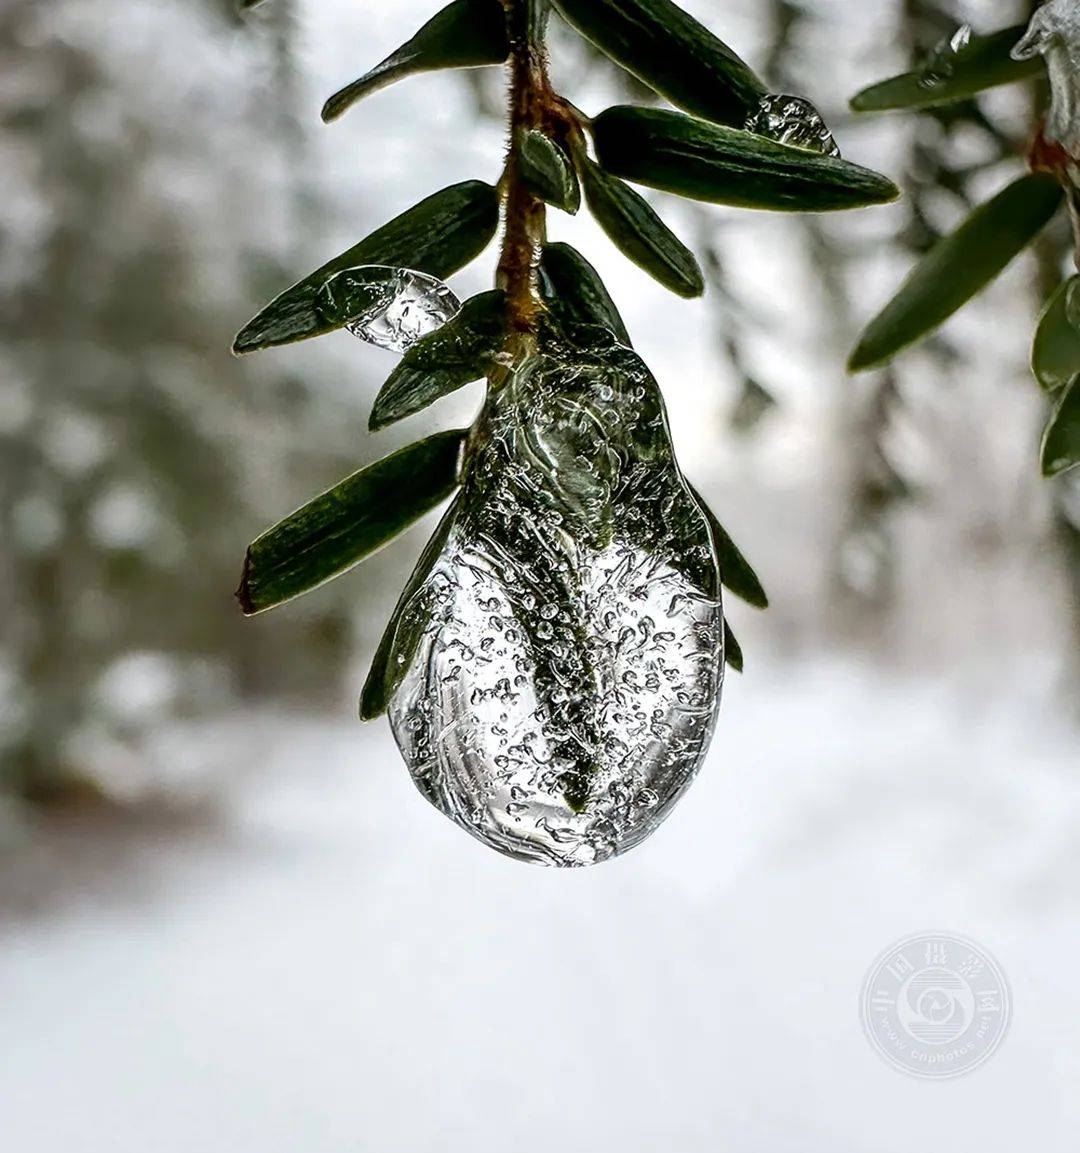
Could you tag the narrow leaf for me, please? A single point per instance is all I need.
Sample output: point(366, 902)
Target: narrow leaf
point(1055, 351)
point(668, 50)
point(465, 34)
point(636, 230)
point(438, 236)
point(574, 293)
point(984, 63)
point(1061, 439)
point(679, 154)
point(732, 649)
point(461, 351)
point(958, 266)
point(546, 170)
point(349, 522)
point(735, 571)
point(401, 636)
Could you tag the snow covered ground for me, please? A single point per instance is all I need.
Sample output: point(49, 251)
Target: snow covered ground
point(333, 966)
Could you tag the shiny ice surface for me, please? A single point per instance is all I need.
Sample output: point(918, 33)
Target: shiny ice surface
point(1054, 33)
point(565, 685)
point(792, 120)
point(389, 307)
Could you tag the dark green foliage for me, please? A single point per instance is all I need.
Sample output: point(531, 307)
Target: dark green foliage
point(636, 230)
point(465, 34)
point(438, 236)
point(679, 154)
point(547, 172)
point(461, 351)
point(958, 266)
point(396, 648)
point(672, 53)
point(1061, 439)
point(732, 649)
point(1055, 351)
point(985, 63)
point(574, 293)
point(735, 571)
point(349, 522)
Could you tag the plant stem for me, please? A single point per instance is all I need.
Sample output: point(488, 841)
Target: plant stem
point(525, 214)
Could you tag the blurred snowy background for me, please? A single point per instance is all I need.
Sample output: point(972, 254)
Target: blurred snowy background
point(227, 920)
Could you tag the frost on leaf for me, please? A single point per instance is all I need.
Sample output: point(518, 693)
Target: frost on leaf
point(791, 120)
point(389, 307)
point(941, 62)
point(1054, 34)
point(563, 691)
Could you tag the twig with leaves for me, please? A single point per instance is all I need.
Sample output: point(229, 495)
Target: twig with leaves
point(553, 667)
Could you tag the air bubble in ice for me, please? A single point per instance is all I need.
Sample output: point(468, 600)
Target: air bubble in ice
point(567, 671)
point(389, 307)
point(791, 120)
point(1054, 34)
point(940, 63)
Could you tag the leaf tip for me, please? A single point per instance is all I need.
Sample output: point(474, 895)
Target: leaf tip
point(243, 592)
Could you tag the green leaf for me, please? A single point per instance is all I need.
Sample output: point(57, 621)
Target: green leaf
point(668, 50)
point(438, 236)
point(679, 154)
point(639, 234)
point(546, 170)
point(735, 571)
point(463, 350)
point(349, 522)
point(958, 266)
point(1061, 439)
point(402, 635)
point(1055, 351)
point(985, 63)
point(465, 34)
point(574, 293)
point(732, 649)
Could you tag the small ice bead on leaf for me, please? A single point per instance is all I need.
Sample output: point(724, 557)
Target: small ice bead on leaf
point(389, 307)
point(941, 61)
point(791, 120)
point(566, 680)
point(1054, 34)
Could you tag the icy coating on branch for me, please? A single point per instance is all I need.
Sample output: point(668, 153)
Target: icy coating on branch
point(564, 686)
point(1054, 33)
point(791, 120)
point(389, 307)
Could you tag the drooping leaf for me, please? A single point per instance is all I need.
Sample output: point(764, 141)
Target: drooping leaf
point(546, 170)
point(1061, 438)
point(984, 63)
point(445, 360)
point(464, 34)
point(732, 649)
point(1055, 351)
point(958, 266)
point(398, 644)
point(679, 154)
point(735, 571)
point(668, 50)
point(638, 232)
point(438, 236)
point(349, 522)
point(574, 293)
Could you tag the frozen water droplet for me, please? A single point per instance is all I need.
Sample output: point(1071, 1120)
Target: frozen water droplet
point(572, 742)
point(941, 60)
point(791, 120)
point(390, 307)
point(1054, 34)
